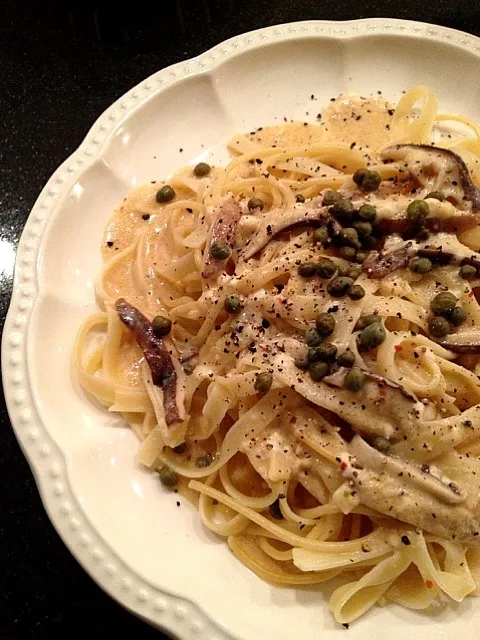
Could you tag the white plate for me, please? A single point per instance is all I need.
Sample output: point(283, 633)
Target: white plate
point(152, 556)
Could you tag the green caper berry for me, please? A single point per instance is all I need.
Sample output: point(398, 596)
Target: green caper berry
point(302, 362)
point(165, 194)
point(354, 379)
point(161, 326)
point(331, 197)
point(367, 212)
point(467, 272)
point(327, 352)
point(458, 316)
point(338, 286)
point(381, 444)
point(420, 265)
point(349, 236)
point(325, 324)
point(346, 359)
point(188, 368)
point(220, 250)
point(179, 449)
point(275, 511)
point(320, 235)
point(443, 303)
point(359, 176)
point(347, 253)
point(342, 208)
point(263, 382)
point(313, 337)
point(202, 169)
point(343, 270)
point(318, 370)
point(371, 181)
point(299, 198)
point(371, 336)
point(369, 243)
point(438, 327)
point(325, 268)
point(356, 292)
point(355, 272)
point(418, 210)
point(232, 305)
point(363, 229)
point(366, 321)
point(168, 477)
point(436, 195)
point(361, 256)
point(423, 234)
point(307, 269)
point(204, 461)
point(255, 203)
point(312, 355)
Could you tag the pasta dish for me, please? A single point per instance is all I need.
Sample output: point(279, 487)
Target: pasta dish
point(295, 340)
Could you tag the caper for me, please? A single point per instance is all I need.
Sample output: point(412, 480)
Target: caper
point(299, 198)
point(347, 253)
point(302, 362)
point(337, 287)
point(371, 181)
point(363, 229)
point(436, 195)
point(327, 352)
point(359, 176)
point(232, 305)
point(349, 236)
point(361, 256)
point(369, 243)
point(381, 444)
point(204, 461)
point(438, 327)
point(420, 265)
point(313, 355)
point(165, 194)
point(274, 510)
point(355, 272)
point(355, 292)
point(202, 169)
point(467, 272)
point(343, 270)
point(313, 337)
point(168, 477)
point(320, 235)
point(443, 303)
point(458, 316)
point(371, 336)
point(179, 449)
point(220, 250)
point(188, 368)
point(367, 212)
point(354, 379)
point(366, 321)
point(161, 326)
point(423, 234)
point(346, 359)
point(325, 324)
point(325, 268)
point(318, 370)
point(418, 210)
point(255, 203)
point(307, 269)
point(330, 197)
point(343, 208)
point(263, 382)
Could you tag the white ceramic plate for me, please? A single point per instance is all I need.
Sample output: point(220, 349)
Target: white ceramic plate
point(152, 556)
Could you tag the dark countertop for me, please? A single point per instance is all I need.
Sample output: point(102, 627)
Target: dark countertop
point(61, 64)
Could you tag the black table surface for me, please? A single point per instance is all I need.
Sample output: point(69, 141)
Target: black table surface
point(62, 62)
